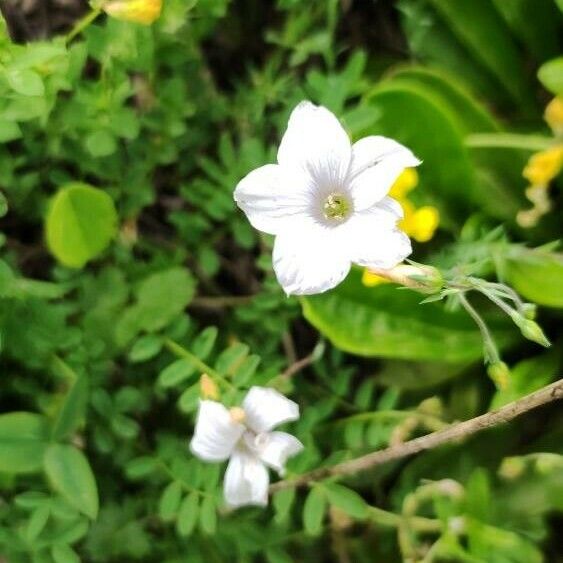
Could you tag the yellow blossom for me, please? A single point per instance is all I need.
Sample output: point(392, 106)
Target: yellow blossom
point(554, 115)
point(544, 166)
point(137, 11)
point(369, 279)
point(405, 183)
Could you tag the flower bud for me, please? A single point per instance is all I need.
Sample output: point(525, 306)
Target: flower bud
point(500, 374)
point(512, 467)
point(529, 310)
point(137, 11)
point(420, 277)
point(532, 331)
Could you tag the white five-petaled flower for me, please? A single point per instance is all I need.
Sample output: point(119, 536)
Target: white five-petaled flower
point(245, 436)
point(326, 201)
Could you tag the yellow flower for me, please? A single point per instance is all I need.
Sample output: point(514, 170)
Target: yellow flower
point(544, 166)
point(405, 183)
point(138, 11)
point(369, 279)
point(554, 115)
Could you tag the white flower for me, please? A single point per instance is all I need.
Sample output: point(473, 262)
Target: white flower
point(326, 201)
point(245, 436)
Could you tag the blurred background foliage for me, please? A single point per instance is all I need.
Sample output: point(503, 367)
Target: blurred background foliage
point(119, 151)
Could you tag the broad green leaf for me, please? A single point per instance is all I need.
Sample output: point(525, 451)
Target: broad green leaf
point(101, 143)
point(314, 511)
point(63, 553)
point(389, 322)
point(188, 515)
point(70, 475)
point(536, 274)
point(9, 130)
point(535, 22)
point(346, 500)
point(550, 74)
point(170, 501)
point(25, 82)
point(208, 515)
point(23, 440)
point(80, 224)
point(482, 31)
point(431, 133)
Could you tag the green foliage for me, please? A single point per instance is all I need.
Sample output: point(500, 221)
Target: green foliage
point(127, 272)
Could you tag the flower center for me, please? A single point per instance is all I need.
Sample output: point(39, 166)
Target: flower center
point(336, 207)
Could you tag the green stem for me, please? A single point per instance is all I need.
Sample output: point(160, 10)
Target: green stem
point(392, 520)
point(491, 352)
point(82, 24)
point(508, 141)
point(181, 352)
point(60, 366)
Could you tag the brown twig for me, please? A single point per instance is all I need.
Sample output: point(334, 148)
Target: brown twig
point(454, 432)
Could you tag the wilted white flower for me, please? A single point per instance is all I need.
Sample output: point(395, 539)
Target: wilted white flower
point(326, 201)
point(245, 436)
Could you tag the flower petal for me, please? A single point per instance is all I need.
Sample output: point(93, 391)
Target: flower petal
point(216, 434)
point(376, 163)
point(265, 408)
point(246, 480)
point(271, 196)
point(316, 143)
point(309, 260)
point(373, 239)
point(278, 448)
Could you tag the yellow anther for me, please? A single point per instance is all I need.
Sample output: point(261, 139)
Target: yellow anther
point(237, 415)
point(208, 388)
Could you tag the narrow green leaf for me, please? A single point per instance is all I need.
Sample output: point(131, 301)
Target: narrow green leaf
point(140, 467)
point(80, 224)
point(170, 501)
point(63, 553)
point(283, 501)
point(314, 511)
point(188, 515)
point(70, 474)
point(145, 348)
point(208, 515)
point(37, 522)
point(23, 441)
point(346, 500)
point(176, 373)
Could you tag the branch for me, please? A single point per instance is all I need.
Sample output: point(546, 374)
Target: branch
point(452, 433)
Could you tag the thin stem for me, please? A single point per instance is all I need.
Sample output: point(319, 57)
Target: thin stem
point(181, 352)
point(491, 351)
point(221, 302)
point(508, 141)
point(82, 24)
point(392, 520)
point(454, 432)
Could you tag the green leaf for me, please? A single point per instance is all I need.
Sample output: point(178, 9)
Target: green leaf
point(101, 143)
point(176, 373)
point(203, 344)
point(346, 500)
point(145, 348)
point(231, 358)
point(536, 274)
point(550, 74)
point(63, 553)
point(140, 467)
point(314, 511)
point(170, 501)
point(9, 130)
point(70, 475)
point(71, 413)
point(282, 502)
point(388, 322)
point(37, 522)
point(80, 224)
point(25, 82)
point(189, 399)
point(188, 515)
point(208, 515)
point(23, 440)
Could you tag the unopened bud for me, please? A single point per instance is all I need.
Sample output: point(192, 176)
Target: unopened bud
point(425, 279)
point(547, 463)
point(208, 388)
point(450, 488)
point(456, 525)
point(511, 467)
point(532, 331)
point(529, 310)
point(237, 414)
point(500, 374)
